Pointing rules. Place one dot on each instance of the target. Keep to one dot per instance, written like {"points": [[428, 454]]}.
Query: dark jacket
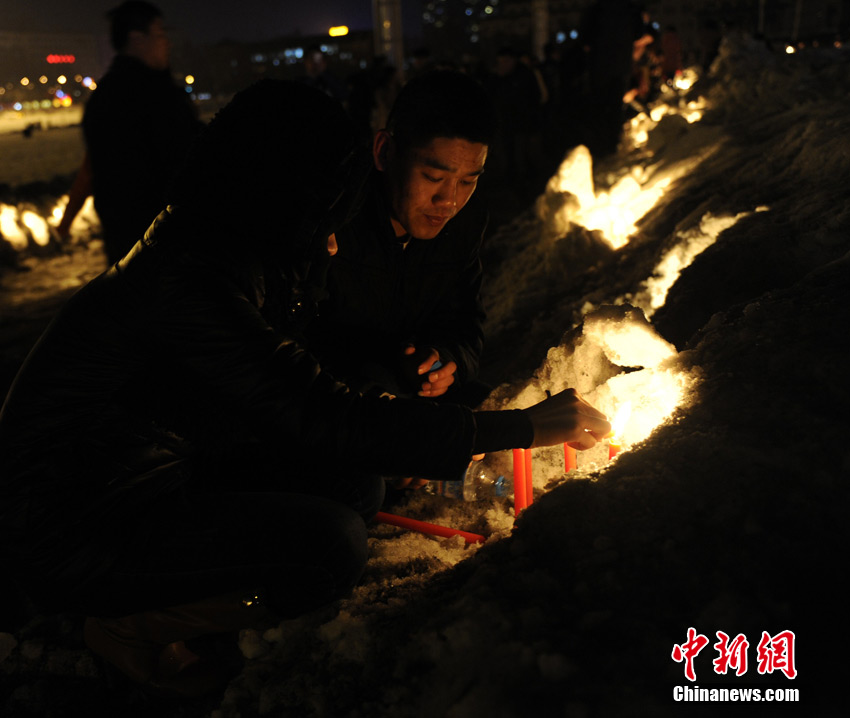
{"points": [[165, 362], [383, 296], [138, 125]]}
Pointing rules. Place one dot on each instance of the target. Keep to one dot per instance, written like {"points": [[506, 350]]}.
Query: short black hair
{"points": [[441, 103], [129, 16], [266, 156]]}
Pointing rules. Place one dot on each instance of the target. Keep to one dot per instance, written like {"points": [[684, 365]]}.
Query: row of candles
{"points": [[523, 494], [523, 475], [523, 486]]}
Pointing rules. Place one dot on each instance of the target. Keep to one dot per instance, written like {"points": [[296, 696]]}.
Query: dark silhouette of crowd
{"points": [[581, 91]]}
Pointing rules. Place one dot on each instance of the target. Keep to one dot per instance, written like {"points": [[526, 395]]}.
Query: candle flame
{"points": [[618, 423]]}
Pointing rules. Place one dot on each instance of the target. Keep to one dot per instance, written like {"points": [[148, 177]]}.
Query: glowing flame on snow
{"points": [[651, 396], [86, 216], [627, 339], [657, 112], [691, 243], [638, 400], [618, 422], [643, 399], [622, 366], [641, 125], [10, 229], [613, 213], [685, 79], [575, 175], [37, 226], [694, 111]]}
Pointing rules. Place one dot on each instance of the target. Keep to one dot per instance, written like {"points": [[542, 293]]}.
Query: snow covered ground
{"points": [[699, 281]]}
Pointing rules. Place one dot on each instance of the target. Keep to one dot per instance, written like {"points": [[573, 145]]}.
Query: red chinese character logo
{"points": [[732, 655], [688, 651], [776, 653]]}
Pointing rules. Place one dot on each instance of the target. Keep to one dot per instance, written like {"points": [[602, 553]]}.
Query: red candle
{"points": [[529, 482], [569, 459], [426, 528], [613, 447], [520, 501]]}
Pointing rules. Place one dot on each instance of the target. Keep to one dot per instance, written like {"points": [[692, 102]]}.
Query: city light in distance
{"points": [[338, 31]]}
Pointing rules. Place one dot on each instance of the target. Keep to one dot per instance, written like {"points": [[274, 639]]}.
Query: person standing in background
{"points": [[609, 31], [138, 125]]}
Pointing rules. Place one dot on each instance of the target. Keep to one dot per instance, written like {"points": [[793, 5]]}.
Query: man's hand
{"points": [[566, 418], [437, 382]]}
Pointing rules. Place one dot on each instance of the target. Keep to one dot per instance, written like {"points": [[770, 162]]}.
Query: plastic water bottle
{"points": [[481, 483], [449, 489]]}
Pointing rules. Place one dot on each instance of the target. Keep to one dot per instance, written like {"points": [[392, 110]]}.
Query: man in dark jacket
{"points": [[609, 31], [171, 451], [404, 289], [138, 125]]}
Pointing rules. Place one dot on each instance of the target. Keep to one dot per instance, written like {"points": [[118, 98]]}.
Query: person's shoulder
{"points": [[119, 80], [371, 222]]}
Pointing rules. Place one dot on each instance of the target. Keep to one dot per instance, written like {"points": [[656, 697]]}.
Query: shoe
{"points": [[150, 649]]}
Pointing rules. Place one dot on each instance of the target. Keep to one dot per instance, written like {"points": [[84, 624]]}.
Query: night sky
{"points": [[208, 20]]}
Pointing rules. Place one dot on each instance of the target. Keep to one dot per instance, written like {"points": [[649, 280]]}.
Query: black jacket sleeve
{"points": [[202, 321]]}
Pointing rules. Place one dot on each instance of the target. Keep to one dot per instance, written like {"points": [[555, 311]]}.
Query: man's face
{"points": [[151, 47], [429, 185]]}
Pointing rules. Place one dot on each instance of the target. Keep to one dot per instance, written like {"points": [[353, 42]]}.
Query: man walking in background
{"points": [[137, 125]]}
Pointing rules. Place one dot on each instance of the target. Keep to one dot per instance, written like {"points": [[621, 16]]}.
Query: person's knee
{"points": [[328, 570], [372, 492], [350, 553]]}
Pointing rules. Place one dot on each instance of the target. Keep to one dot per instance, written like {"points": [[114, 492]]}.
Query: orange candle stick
{"points": [[529, 483], [614, 447], [520, 494], [426, 528], [570, 462]]}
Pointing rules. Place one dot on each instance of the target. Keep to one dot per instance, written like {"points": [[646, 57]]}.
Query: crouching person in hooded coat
{"points": [[175, 463]]}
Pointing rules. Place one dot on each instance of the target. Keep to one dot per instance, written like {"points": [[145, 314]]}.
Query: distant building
{"points": [[34, 67], [37, 66], [223, 68], [455, 28]]}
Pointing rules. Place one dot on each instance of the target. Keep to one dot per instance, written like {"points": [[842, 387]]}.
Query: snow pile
{"points": [[720, 322], [570, 199], [726, 517], [40, 157], [12, 120], [618, 362]]}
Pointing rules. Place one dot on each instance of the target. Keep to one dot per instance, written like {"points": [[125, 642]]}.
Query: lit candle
{"points": [[529, 482], [426, 528], [620, 419], [569, 459], [520, 493]]}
